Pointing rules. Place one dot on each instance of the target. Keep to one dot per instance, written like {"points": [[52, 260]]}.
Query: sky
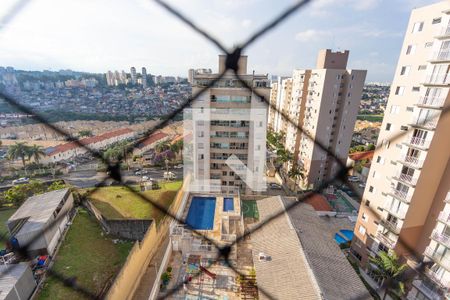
{"points": [[102, 35]]}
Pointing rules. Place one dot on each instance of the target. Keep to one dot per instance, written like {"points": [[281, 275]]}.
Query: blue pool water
{"points": [[201, 213], [347, 233], [339, 239], [228, 204]]}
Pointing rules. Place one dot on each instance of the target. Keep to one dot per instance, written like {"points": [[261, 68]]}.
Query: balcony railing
{"points": [[444, 32], [437, 79], [393, 227], [425, 289], [412, 161], [429, 124], [436, 278], [386, 240], [409, 179], [431, 101], [440, 56], [441, 238], [401, 195], [442, 260], [444, 217]]}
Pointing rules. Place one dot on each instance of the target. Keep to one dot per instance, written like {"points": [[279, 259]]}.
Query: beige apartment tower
{"points": [[323, 102], [406, 202], [228, 119]]}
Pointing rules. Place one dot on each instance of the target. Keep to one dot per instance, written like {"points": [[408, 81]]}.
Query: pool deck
{"points": [[216, 232]]}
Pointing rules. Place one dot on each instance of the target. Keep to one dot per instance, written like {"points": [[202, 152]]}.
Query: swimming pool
{"points": [[339, 239], [348, 234], [340, 204], [201, 213], [228, 204]]}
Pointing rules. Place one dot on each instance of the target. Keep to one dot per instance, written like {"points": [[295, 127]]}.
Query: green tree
{"points": [[35, 152], [162, 146], [16, 195], [177, 147], [370, 147], [296, 175], [18, 150], [390, 270], [84, 133], [57, 185]]}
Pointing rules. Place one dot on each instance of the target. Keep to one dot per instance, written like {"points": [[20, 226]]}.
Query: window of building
{"points": [[224, 173], [416, 88], [417, 27], [395, 109], [364, 217], [388, 126], [404, 128], [411, 49], [200, 146], [429, 44], [362, 230], [367, 203], [409, 108], [405, 70], [371, 189], [200, 134], [422, 67], [399, 90], [436, 21]]}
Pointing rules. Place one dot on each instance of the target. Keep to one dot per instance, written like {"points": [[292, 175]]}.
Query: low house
{"points": [[16, 282], [40, 221], [70, 150], [150, 142], [360, 161]]}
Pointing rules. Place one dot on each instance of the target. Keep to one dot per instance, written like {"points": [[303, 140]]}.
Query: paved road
{"points": [[86, 179]]}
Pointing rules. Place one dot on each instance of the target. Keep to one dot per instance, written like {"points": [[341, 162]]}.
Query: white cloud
{"points": [[311, 35], [325, 8], [246, 23]]}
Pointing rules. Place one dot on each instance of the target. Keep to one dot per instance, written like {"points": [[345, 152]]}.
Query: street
{"points": [[86, 179]]}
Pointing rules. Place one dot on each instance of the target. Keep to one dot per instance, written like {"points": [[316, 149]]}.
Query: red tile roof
{"points": [[362, 155], [319, 203], [153, 138], [89, 140]]}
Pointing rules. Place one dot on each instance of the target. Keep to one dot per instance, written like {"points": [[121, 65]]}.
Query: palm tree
{"points": [[18, 150], [295, 174], [390, 270], [177, 147], [35, 152], [162, 146]]}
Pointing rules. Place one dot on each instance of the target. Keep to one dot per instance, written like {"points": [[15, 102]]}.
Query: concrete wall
{"points": [[128, 279], [129, 229]]}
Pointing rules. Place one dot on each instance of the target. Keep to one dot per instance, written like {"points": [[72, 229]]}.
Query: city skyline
{"points": [[133, 39]]}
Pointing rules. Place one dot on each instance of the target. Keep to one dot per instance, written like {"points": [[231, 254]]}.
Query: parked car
{"points": [[21, 180], [353, 179], [145, 178], [362, 185], [180, 166], [138, 173], [169, 175], [274, 186]]}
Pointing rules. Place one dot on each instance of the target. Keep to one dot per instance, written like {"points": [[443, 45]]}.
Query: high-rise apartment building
{"points": [[133, 75], [144, 77], [323, 102], [228, 119], [406, 202]]}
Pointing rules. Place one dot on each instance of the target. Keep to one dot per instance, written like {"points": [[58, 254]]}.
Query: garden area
{"points": [[118, 202], [88, 257], [250, 209]]}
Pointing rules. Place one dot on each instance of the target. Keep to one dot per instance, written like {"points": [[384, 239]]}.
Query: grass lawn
{"points": [[4, 216], [250, 209], [371, 118], [87, 256], [118, 202]]}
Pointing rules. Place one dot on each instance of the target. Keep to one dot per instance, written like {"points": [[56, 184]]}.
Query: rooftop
{"points": [[10, 275], [38, 209], [287, 274], [89, 140], [334, 274], [362, 155], [319, 203]]}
